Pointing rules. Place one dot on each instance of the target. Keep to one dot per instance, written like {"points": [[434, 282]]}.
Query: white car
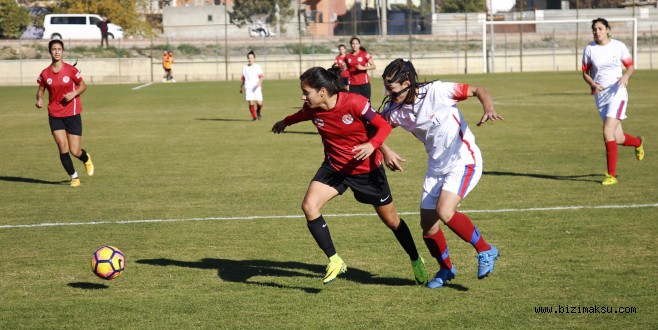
{"points": [[77, 26]]}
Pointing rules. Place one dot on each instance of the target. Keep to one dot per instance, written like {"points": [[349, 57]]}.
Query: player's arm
{"points": [[82, 87], [623, 81], [483, 95], [39, 96], [391, 158], [290, 120], [242, 84], [363, 151], [369, 66]]}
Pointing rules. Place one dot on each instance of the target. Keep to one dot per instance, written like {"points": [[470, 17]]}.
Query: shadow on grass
{"points": [[222, 119], [583, 177], [298, 132], [29, 180], [88, 286], [241, 271]]}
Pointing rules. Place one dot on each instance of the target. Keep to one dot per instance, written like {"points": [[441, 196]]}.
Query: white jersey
{"points": [[435, 120], [604, 62], [251, 74]]}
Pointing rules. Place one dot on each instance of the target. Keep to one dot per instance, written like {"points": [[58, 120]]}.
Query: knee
{"points": [[311, 210], [445, 214]]}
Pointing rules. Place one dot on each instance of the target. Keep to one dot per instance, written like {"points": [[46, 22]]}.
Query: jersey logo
{"points": [[66, 79], [360, 59], [49, 81], [318, 122], [348, 119], [435, 120]]}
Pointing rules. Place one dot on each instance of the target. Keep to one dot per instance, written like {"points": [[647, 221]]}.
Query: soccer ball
{"points": [[107, 262]]}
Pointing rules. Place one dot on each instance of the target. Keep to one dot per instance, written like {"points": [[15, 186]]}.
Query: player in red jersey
{"points": [[358, 64], [351, 161], [339, 63], [65, 85]]}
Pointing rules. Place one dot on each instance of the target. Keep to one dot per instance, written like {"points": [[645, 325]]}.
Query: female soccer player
{"points": [[252, 81], [65, 85], [429, 112], [602, 62], [351, 161], [358, 63], [339, 63]]}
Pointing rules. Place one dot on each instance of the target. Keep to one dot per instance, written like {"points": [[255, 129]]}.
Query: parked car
{"points": [[77, 26]]}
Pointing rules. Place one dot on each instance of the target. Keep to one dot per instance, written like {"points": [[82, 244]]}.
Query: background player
{"points": [[602, 62], [454, 167], [358, 64], [351, 160], [65, 85], [252, 85]]}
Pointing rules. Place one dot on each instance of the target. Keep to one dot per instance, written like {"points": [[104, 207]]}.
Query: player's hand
{"points": [[392, 159], [279, 127], [490, 115], [623, 82], [70, 96], [240, 90], [597, 88], [363, 151]]}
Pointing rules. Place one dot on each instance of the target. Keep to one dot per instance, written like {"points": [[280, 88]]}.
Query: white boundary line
{"points": [[142, 86], [122, 222]]}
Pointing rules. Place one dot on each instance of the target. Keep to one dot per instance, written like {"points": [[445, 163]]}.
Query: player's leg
{"points": [[611, 129], [319, 192], [259, 107], [65, 157], [252, 108], [459, 182], [74, 136]]}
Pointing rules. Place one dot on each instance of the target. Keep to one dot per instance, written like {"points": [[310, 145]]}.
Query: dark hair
{"points": [[602, 21], [361, 48], [251, 52], [55, 41], [401, 70], [341, 45], [318, 77]]}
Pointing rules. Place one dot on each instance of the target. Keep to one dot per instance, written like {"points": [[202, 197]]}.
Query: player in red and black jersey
{"points": [[358, 63], [65, 85], [351, 161]]}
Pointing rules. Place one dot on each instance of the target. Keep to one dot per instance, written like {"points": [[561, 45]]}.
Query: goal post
{"points": [[488, 25]]}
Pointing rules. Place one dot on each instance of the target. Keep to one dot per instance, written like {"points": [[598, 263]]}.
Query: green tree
{"points": [[460, 6], [13, 19], [244, 11]]}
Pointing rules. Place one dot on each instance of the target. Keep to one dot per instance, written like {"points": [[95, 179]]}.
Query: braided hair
{"points": [[401, 70]]}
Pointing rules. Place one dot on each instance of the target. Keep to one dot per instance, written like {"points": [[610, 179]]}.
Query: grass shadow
{"points": [[88, 286], [29, 180], [583, 177], [299, 132], [242, 271]]}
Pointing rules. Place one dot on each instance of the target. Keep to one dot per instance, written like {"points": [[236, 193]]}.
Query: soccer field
{"points": [[205, 204]]}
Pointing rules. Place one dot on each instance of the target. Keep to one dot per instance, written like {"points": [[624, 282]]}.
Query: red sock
{"points": [[611, 155], [631, 141], [464, 228], [439, 249], [253, 111]]}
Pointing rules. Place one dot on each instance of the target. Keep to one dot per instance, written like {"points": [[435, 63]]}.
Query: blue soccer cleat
{"points": [[486, 260], [444, 275]]}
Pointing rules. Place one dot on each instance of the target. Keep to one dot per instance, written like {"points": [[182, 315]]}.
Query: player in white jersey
{"points": [[429, 112], [602, 70], [252, 81]]}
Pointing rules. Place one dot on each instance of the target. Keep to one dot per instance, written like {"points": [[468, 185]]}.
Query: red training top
{"points": [[340, 61], [344, 127], [59, 84], [357, 77]]}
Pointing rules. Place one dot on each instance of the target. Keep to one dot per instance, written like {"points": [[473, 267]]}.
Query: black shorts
{"points": [[72, 124], [361, 89], [368, 188]]}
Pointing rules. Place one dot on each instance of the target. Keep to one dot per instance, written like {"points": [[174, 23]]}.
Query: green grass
{"points": [[189, 151]]}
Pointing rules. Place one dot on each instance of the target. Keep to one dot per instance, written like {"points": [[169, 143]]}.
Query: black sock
{"points": [[320, 232], [67, 163], [406, 240], [83, 156]]}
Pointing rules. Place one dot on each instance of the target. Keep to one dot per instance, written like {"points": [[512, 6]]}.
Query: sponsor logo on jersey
{"points": [[348, 119], [434, 119], [318, 122], [66, 79]]}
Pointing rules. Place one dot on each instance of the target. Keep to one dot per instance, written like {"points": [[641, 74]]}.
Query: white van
{"points": [[77, 26]]}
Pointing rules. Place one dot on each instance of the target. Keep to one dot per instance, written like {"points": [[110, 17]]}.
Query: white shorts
{"points": [[460, 180], [612, 102], [253, 93]]}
